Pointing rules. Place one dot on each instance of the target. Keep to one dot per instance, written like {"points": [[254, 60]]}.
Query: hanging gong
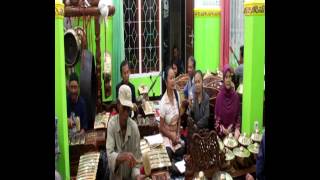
{"points": [[89, 85], [72, 45]]}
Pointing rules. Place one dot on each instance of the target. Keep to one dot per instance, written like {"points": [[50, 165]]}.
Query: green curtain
{"points": [[118, 54]]}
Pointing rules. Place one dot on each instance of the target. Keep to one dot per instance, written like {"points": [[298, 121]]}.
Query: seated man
{"points": [[177, 58], [125, 73], [76, 105], [123, 140], [200, 106], [189, 88]]}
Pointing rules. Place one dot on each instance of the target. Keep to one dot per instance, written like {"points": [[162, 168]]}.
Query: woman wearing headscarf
{"points": [[227, 108]]}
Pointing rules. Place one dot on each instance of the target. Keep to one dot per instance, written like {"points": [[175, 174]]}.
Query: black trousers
{"points": [[174, 157], [177, 155]]}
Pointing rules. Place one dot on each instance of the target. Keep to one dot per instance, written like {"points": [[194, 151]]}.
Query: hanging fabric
{"points": [[225, 33], [236, 30]]}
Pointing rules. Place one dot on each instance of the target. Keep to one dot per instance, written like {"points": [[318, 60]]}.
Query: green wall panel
{"points": [[137, 81], [254, 57], [207, 42]]}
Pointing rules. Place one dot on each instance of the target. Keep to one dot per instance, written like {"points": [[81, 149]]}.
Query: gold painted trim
{"points": [[207, 12], [59, 10], [254, 9]]}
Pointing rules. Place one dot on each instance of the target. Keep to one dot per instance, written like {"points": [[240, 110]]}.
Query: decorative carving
{"points": [[181, 81], [212, 93], [89, 11], [203, 151], [98, 58], [213, 81]]}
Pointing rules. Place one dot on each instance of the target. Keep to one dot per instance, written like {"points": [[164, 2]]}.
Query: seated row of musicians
{"points": [[123, 135], [76, 106], [227, 109], [227, 106], [122, 149], [170, 113], [123, 138]]}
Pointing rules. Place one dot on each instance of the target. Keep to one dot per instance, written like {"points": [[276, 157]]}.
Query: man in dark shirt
{"points": [[175, 68], [76, 104], [125, 73], [177, 58], [189, 87]]}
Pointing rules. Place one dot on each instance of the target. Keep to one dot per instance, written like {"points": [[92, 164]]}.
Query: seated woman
{"points": [[227, 108], [200, 106], [170, 119]]}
